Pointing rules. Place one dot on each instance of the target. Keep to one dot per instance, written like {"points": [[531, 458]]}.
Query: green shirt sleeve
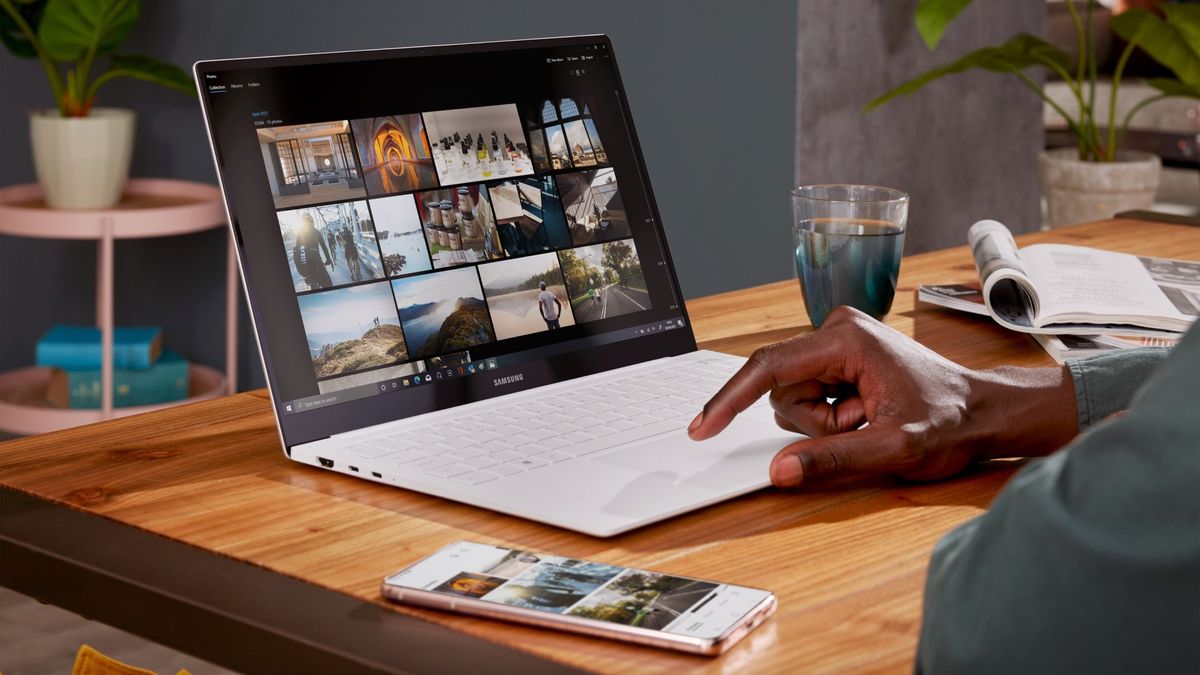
{"points": [[1106, 383], [1089, 560]]}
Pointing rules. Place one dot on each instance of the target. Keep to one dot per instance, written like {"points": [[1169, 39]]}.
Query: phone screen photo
{"points": [[572, 589]]}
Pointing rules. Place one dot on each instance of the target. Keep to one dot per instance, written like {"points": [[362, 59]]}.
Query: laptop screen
{"points": [[426, 227]]}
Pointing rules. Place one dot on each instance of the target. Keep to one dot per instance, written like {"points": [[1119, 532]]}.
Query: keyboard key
{"points": [[393, 442], [476, 477], [403, 457], [553, 443], [538, 434], [621, 437], [431, 461], [530, 449], [526, 463], [505, 455], [501, 444], [467, 453], [504, 469], [479, 462], [577, 437], [367, 450], [552, 456], [448, 471]]}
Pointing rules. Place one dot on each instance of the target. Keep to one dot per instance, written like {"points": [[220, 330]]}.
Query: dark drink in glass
{"points": [[845, 262], [849, 240]]}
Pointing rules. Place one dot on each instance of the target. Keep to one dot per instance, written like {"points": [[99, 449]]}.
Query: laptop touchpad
{"points": [[740, 456]]}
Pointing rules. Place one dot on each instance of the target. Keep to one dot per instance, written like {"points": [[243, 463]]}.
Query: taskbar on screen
{"points": [[432, 372]]}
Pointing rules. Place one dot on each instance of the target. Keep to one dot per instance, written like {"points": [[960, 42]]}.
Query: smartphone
{"points": [[631, 605]]}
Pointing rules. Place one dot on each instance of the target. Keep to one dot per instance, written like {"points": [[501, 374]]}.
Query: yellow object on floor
{"points": [[88, 661]]}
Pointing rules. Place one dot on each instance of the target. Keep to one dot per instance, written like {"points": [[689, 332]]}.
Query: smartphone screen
{"points": [[580, 589]]}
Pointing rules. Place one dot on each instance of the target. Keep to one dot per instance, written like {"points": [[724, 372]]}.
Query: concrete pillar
{"points": [[964, 147]]}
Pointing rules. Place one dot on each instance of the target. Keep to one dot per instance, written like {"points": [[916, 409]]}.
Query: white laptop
{"points": [[460, 284]]}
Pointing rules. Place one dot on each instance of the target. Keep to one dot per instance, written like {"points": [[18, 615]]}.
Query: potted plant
{"points": [[81, 152], [1097, 178]]}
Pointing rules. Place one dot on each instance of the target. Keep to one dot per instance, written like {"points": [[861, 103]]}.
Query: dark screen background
{"points": [[370, 84]]}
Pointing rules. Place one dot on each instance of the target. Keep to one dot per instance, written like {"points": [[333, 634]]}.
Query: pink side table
{"points": [[149, 208]]}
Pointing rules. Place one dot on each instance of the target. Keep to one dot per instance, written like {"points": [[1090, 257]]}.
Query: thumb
{"points": [[873, 449]]}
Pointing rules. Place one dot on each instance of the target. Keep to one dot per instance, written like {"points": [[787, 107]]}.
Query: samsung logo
{"points": [[501, 381]]}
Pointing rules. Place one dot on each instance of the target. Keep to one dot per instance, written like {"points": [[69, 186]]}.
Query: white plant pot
{"points": [[1081, 192], [82, 162]]}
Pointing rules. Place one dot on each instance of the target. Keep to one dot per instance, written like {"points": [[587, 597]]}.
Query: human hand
{"points": [[926, 417]]}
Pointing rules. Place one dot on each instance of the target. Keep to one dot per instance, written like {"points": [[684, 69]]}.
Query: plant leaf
{"points": [[10, 32], [1175, 42], [1172, 87], [1020, 52], [150, 69], [933, 16], [70, 27]]}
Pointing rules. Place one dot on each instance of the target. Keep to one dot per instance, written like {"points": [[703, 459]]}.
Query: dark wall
{"points": [[965, 147], [712, 86]]}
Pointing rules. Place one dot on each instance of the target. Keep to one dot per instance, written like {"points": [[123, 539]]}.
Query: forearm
{"points": [[1020, 412]]}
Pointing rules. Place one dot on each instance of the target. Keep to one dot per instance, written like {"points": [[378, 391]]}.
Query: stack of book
{"points": [[143, 372], [1074, 300]]}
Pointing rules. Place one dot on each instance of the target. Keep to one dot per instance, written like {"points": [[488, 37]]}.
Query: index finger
{"points": [[789, 362]]}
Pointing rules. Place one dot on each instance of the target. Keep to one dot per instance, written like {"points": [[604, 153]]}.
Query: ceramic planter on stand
{"points": [[82, 162], [1081, 192]]}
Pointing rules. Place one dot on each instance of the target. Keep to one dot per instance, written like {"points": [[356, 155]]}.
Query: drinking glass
{"points": [[848, 239]]}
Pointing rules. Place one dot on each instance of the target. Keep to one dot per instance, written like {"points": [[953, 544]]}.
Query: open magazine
{"points": [[969, 298], [1053, 289]]}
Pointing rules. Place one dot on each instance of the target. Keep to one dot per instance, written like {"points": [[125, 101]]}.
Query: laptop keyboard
{"points": [[538, 431]]}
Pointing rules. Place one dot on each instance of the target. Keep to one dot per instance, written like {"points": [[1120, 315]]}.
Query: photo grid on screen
{"points": [[411, 238], [580, 588]]}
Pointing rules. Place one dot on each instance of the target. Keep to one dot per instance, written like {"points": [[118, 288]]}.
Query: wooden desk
{"points": [[847, 564]]}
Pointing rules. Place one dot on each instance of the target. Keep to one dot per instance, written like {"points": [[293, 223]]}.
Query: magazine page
{"points": [[962, 297], [1179, 280], [1008, 292], [1076, 284]]}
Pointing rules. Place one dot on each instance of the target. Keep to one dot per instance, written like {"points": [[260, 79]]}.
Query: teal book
{"points": [[78, 347], [165, 381]]}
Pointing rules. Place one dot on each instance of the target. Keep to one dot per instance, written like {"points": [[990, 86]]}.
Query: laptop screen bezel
{"points": [[297, 429]]}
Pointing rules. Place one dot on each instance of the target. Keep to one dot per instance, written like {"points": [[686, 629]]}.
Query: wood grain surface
{"points": [[847, 561]]}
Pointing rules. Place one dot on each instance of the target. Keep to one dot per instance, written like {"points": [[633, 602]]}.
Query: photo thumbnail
{"points": [[459, 226], [451, 360], [513, 564], [394, 154], [310, 163], [643, 599], [330, 245], [529, 215], [470, 585], [352, 329], [604, 280], [474, 144], [592, 202], [554, 585], [563, 135], [401, 236], [443, 312], [526, 295]]}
